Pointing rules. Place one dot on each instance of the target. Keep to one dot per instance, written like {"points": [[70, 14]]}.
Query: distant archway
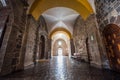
{"points": [[60, 30], [112, 43], [60, 48], [60, 51]]}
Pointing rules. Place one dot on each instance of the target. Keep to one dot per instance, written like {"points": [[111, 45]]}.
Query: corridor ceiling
{"points": [[60, 17], [60, 13], [83, 7]]}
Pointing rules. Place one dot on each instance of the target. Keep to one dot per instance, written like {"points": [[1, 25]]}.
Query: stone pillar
{"points": [[5, 30], [72, 47], [13, 44], [31, 42], [49, 50]]}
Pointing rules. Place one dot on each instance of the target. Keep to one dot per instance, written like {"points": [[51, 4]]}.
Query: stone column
{"points": [[49, 50], [72, 47]]}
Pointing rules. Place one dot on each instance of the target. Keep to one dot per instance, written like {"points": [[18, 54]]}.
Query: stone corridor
{"points": [[62, 68]]}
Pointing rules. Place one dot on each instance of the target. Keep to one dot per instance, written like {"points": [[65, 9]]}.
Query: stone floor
{"points": [[63, 68]]}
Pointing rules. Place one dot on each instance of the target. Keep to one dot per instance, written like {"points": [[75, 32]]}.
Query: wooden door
{"points": [[112, 43]]}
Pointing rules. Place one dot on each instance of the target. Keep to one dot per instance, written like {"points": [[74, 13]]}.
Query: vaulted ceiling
{"points": [[83, 7], [61, 13], [60, 17]]}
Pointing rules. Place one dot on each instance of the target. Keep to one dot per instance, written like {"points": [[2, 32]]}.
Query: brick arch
{"points": [[111, 35]]}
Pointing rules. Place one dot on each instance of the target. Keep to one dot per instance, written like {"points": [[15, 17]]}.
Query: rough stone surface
{"points": [[83, 30], [12, 47], [20, 45], [30, 44], [42, 31], [79, 37], [107, 12], [20, 40]]}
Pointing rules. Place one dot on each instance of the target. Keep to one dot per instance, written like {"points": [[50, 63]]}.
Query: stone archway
{"points": [[61, 45], [112, 43]]}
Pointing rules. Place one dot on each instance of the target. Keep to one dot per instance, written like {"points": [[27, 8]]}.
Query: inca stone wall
{"points": [[108, 12], [31, 39], [93, 41], [79, 37], [12, 52], [21, 41], [84, 29], [42, 31]]}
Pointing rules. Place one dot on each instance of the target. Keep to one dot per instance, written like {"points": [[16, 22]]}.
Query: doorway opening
{"points": [[42, 48], [60, 52], [60, 44]]}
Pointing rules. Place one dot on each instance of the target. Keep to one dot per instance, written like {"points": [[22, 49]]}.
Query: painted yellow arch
{"points": [[81, 6], [60, 30]]}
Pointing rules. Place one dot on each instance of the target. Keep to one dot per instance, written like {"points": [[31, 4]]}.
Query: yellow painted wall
{"points": [[60, 30]]}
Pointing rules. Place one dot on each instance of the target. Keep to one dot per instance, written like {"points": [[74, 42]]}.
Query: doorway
{"points": [[88, 53], [42, 47], [112, 43], [60, 52]]}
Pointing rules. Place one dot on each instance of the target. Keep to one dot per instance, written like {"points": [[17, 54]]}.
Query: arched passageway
{"points": [[112, 44], [21, 43], [60, 41], [60, 48]]}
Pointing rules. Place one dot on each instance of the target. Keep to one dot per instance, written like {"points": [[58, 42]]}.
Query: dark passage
{"points": [[63, 68]]}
